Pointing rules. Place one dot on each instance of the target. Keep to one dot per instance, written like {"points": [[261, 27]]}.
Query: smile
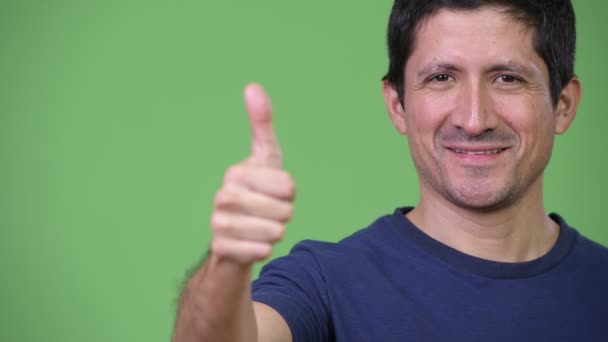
{"points": [[494, 151]]}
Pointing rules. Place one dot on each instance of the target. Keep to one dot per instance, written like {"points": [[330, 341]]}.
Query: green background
{"points": [[118, 119]]}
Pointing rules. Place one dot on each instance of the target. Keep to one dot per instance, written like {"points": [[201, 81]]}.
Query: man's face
{"points": [[478, 110]]}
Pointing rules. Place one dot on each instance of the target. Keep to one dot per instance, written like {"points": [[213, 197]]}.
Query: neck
{"points": [[517, 233]]}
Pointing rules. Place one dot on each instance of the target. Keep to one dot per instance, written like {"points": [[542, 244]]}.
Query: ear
{"points": [[394, 107], [567, 105]]}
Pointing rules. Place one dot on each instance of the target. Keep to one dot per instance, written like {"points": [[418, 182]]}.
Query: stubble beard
{"points": [[480, 192]]}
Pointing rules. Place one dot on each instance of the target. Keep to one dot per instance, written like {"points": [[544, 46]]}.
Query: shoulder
{"points": [[592, 251], [585, 253], [350, 252], [362, 242], [299, 285]]}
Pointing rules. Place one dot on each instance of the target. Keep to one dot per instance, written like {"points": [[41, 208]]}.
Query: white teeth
{"points": [[478, 152]]}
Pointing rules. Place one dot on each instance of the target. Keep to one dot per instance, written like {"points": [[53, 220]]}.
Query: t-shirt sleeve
{"points": [[294, 285]]}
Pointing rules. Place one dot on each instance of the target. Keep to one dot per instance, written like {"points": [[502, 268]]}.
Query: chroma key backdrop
{"points": [[119, 117]]}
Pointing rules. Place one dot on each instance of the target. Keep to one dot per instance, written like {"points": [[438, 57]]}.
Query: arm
{"points": [[249, 216], [216, 306]]}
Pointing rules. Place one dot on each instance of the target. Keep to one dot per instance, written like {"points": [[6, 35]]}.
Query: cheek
{"points": [[426, 114], [516, 114], [531, 121]]}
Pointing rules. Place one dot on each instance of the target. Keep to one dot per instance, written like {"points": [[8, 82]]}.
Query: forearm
{"points": [[249, 216], [216, 304]]}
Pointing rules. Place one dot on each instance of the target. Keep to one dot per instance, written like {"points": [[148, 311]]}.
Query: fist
{"points": [[256, 199]]}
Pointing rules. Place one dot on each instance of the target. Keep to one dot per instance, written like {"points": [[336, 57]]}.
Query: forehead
{"points": [[475, 37]]}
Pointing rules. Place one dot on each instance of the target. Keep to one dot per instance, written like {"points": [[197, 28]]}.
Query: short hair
{"points": [[554, 36]]}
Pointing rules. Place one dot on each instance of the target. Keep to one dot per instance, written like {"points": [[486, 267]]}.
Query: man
{"points": [[480, 88]]}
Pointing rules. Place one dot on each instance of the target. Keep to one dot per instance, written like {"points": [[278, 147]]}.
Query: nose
{"points": [[474, 114]]}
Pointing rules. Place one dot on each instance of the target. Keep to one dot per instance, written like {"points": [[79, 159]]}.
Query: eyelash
{"points": [[512, 79], [434, 78]]}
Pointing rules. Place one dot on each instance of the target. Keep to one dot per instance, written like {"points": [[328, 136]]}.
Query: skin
{"points": [[457, 99], [249, 216], [475, 84]]}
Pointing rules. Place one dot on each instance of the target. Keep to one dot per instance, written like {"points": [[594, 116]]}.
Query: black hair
{"points": [[553, 22]]}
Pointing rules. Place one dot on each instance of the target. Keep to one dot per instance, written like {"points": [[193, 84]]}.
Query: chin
{"points": [[481, 198]]}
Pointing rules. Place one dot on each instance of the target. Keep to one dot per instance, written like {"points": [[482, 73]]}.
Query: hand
{"points": [[256, 199]]}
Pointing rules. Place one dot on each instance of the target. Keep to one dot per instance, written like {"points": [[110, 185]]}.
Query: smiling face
{"points": [[478, 110]]}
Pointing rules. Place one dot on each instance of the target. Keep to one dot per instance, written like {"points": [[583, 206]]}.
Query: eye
{"points": [[441, 78], [507, 78]]}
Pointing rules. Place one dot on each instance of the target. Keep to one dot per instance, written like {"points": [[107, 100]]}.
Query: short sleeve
{"points": [[294, 285]]}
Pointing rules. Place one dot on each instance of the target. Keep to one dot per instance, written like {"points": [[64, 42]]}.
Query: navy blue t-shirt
{"points": [[392, 282]]}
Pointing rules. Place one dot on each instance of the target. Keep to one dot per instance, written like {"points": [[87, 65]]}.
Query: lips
{"points": [[477, 152]]}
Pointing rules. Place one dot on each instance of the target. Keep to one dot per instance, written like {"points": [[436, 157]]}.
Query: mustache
{"points": [[458, 135]]}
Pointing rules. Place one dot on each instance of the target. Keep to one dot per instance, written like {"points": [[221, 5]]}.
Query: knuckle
{"points": [[233, 173], [288, 185], [218, 248], [227, 197], [290, 211], [222, 198], [218, 222], [278, 233], [265, 251], [286, 213], [225, 249], [290, 188]]}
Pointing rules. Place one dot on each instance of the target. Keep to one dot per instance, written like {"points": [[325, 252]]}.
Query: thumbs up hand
{"points": [[256, 198]]}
